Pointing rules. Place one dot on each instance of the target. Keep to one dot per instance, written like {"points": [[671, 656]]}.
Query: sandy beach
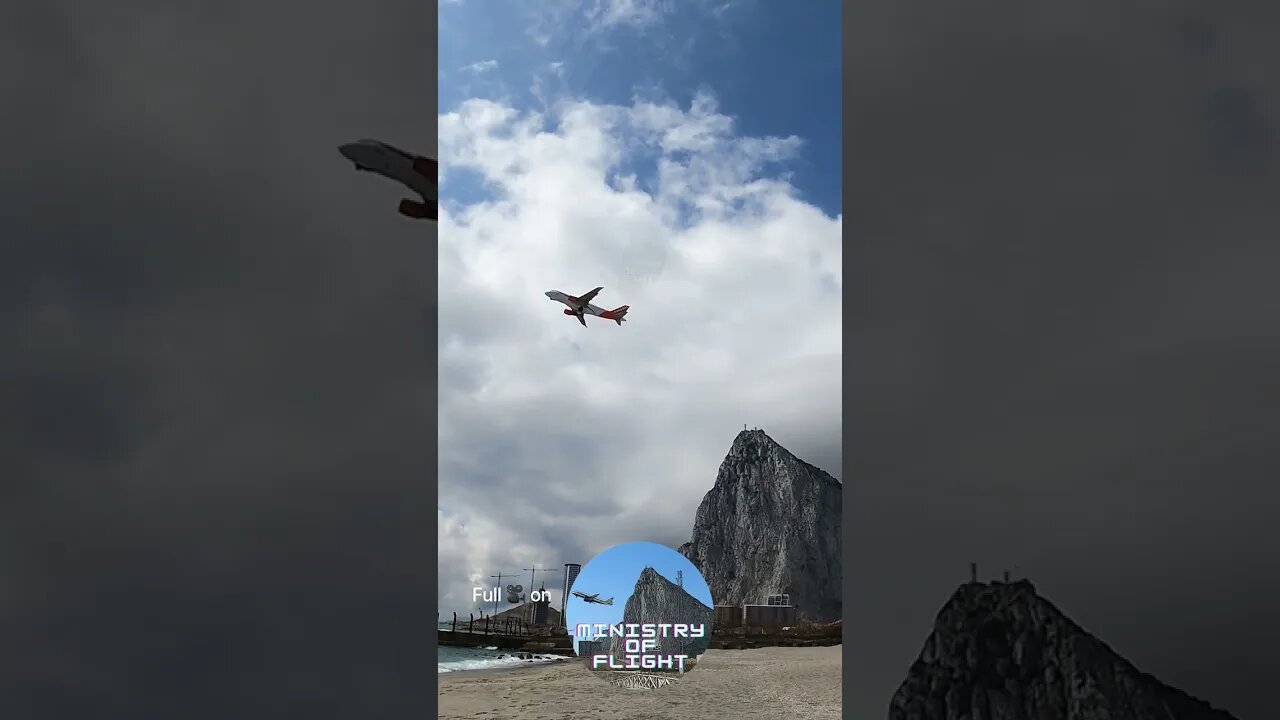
{"points": [[766, 683]]}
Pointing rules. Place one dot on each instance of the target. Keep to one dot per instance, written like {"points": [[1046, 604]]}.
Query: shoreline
{"points": [[766, 683], [522, 667], [490, 658]]}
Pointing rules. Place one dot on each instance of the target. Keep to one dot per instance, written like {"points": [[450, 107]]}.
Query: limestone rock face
{"points": [[657, 600], [1001, 652], [770, 524]]}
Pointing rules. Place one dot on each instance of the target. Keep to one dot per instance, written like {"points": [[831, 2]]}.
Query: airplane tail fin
{"points": [[618, 315]]}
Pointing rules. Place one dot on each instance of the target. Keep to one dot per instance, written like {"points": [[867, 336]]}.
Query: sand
{"points": [[764, 683]]}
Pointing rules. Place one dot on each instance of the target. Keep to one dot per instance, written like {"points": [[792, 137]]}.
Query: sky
{"points": [[613, 574], [217, 362], [1062, 299], [628, 145]]}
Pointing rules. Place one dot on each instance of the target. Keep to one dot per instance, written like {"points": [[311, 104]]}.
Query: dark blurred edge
{"points": [[849, 474]]}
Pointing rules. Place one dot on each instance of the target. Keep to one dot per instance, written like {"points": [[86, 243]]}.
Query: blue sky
{"points": [[773, 66], [613, 574]]}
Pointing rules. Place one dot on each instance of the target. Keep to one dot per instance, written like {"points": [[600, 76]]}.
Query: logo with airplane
{"points": [[594, 598]]}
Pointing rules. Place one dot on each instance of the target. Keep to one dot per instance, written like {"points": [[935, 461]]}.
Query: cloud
{"points": [[633, 13], [721, 9], [558, 441], [1065, 244], [481, 66], [217, 362], [556, 18], [548, 83]]}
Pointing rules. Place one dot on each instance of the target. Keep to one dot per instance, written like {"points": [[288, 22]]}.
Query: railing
{"points": [[487, 626]]}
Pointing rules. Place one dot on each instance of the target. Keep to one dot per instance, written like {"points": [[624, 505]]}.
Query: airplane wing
{"points": [[585, 300]]}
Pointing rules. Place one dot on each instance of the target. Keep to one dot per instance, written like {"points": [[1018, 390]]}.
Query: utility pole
{"points": [[499, 593], [533, 571], [680, 578]]}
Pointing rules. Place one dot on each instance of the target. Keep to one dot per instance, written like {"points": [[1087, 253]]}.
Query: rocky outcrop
{"points": [[658, 600], [1001, 652], [770, 524]]}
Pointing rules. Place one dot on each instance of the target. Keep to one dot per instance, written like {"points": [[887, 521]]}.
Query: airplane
{"points": [[595, 598], [579, 307], [420, 174]]}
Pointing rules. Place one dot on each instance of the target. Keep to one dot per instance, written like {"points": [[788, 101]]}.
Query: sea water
{"points": [[456, 659]]}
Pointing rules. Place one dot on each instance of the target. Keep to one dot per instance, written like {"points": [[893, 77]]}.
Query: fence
{"points": [[487, 625]]}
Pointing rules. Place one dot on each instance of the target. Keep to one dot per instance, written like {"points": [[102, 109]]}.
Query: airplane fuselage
{"points": [[391, 162], [564, 298]]}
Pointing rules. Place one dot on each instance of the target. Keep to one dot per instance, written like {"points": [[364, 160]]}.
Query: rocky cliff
{"points": [[770, 524], [1001, 652], [658, 600]]}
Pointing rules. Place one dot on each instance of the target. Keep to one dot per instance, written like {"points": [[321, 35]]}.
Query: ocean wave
{"points": [[482, 660]]}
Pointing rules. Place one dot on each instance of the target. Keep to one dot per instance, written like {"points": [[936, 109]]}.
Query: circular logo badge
{"points": [[641, 613]]}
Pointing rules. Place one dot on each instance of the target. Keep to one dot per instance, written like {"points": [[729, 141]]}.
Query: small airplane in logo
{"points": [[594, 598], [580, 307]]}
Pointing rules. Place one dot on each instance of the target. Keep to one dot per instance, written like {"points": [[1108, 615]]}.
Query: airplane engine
{"points": [[569, 313], [417, 210]]}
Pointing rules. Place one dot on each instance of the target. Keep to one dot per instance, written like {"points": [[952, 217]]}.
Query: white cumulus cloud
{"points": [[558, 441]]}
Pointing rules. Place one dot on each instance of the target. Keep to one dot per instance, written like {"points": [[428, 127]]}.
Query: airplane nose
{"points": [[348, 151]]}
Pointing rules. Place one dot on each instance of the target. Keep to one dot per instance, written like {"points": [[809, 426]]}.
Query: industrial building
{"points": [[776, 612], [542, 614]]}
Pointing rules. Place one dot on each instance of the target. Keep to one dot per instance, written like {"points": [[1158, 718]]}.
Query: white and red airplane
{"points": [[580, 307], [420, 174]]}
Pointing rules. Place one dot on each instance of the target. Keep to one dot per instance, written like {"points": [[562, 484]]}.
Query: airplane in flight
{"points": [[580, 307], [420, 174], [593, 598]]}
